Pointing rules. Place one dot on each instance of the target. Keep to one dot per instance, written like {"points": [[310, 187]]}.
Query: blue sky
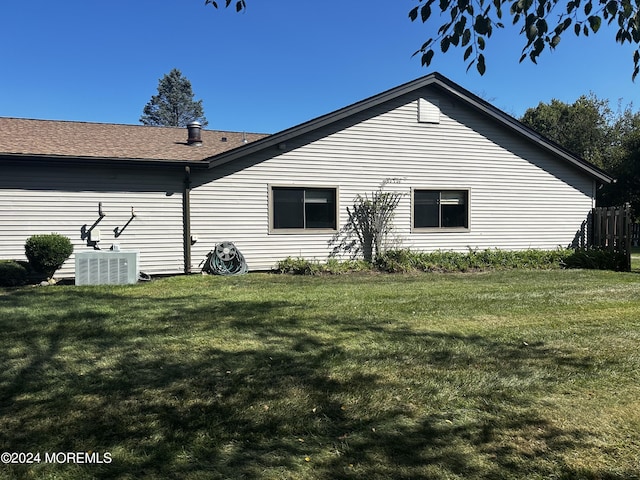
{"points": [[280, 63]]}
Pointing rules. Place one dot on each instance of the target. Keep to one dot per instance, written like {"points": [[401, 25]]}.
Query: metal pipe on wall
{"points": [[186, 219]]}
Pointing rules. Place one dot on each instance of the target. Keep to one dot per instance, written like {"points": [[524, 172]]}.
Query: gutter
{"points": [[48, 160], [186, 219]]}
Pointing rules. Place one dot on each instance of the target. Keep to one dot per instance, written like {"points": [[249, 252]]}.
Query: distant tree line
{"points": [[593, 130]]}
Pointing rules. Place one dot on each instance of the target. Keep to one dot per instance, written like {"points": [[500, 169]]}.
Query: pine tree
{"points": [[174, 105]]}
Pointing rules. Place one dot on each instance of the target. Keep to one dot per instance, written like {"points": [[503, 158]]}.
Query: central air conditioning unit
{"points": [[107, 267]]}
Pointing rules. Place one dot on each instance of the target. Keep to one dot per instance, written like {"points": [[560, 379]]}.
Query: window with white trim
{"points": [[303, 208], [440, 208]]}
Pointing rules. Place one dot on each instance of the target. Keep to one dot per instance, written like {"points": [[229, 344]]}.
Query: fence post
{"points": [[627, 235]]}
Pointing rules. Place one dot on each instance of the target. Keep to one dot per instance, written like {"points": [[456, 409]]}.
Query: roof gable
{"points": [[434, 80]]}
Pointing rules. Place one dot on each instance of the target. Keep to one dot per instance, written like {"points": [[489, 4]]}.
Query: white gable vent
{"points": [[428, 111], [107, 267]]}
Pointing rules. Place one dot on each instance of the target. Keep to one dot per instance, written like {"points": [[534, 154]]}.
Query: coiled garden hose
{"points": [[225, 259]]}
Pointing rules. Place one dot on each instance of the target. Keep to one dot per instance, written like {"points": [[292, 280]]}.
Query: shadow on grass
{"points": [[184, 388]]}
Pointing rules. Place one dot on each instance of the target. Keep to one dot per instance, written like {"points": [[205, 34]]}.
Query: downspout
{"points": [[186, 219]]}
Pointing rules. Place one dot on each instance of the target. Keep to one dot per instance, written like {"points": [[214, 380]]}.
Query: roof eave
{"points": [[74, 160]]}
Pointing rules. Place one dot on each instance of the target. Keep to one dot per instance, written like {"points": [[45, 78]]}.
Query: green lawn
{"points": [[635, 259], [518, 374]]}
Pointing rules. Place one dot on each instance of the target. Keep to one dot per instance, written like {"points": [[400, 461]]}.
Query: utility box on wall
{"points": [[107, 267]]}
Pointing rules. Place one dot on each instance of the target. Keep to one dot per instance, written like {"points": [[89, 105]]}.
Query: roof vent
{"points": [[195, 134]]}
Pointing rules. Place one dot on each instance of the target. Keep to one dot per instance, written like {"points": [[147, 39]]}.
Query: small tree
{"points": [[369, 225], [174, 105]]}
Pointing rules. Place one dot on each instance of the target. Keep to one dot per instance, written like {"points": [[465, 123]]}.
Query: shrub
{"points": [[300, 266], [337, 267], [47, 253], [490, 259], [398, 261], [295, 266], [12, 274], [404, 261], [596, 259]]}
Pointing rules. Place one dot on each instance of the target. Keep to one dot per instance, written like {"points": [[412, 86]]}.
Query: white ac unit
{"points": [[107, 267]]}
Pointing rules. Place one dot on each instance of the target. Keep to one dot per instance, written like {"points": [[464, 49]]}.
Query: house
{"points": [[470, 176]]}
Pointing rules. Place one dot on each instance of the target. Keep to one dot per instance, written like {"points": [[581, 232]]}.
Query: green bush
{"points": [[394, 261], [295, 266], [12, 274], [300, 266], [397, 261], [404, 261], [596, 259], [47, 253]]}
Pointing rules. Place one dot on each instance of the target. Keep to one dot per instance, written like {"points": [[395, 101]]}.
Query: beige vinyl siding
{"points": [[520, 195], [64, 200]]}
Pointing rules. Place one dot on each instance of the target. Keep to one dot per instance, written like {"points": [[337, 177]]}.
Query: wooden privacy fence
{"points": [[635, 234], [611, 229]]}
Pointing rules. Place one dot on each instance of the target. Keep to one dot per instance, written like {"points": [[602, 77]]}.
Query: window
{"points": [[299, 208], [440, 209]]}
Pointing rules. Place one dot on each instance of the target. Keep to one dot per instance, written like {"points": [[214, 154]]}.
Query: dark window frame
{"points": [[439, 220], [308, 209]]}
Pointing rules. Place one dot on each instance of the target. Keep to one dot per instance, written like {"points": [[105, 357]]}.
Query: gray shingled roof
{"points": [[52, 138]]}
